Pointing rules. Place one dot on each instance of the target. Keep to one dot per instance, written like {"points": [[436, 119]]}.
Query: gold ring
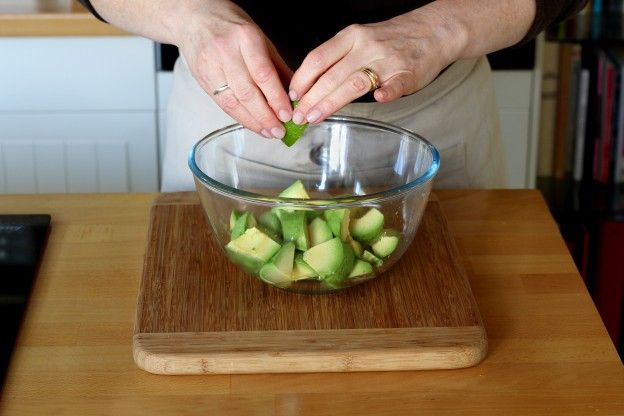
{"points": [[373, 77]]}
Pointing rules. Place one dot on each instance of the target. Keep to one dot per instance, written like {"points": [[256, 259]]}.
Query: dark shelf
{"points": [[569, 199], [607, 28]]}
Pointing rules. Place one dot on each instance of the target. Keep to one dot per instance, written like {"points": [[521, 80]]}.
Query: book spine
{"points": [[605, 163], [579, 150], [563, 106], [618, 160]]}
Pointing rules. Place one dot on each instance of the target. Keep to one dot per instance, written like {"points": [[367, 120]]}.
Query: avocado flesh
{"points": [[319, 232], [332, 260], [338, 221], [252, 249], [279, 268], [360, 268], [368, 227], [386, 243], [243, 222], [295, 228]]}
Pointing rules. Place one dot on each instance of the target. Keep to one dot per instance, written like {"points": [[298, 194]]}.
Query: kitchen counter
{"points": [[549, 352], [50, 18]]}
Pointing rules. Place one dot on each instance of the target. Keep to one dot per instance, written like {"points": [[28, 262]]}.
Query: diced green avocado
{"points": [[295, 190], [357, 247], [368, 227], [386, 243], [319, 232], [336, 279], [252, 249], [279, 268], [270, 220], [332, 259], [301, 269], [243, 222], [371, 258], [311, 215], [360, 268], [338, 221], [295, 228], [293, 131], [233, 217]]}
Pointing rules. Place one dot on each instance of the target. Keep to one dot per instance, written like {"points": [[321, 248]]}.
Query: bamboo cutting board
{"points": [[197, 313]]}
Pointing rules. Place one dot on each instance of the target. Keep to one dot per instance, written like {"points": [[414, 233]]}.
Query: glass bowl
{"points": [[367, 182]]}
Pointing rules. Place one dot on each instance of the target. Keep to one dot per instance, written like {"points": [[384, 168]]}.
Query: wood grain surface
{"points": [[548, 351], [199, 313], [50, 18]]}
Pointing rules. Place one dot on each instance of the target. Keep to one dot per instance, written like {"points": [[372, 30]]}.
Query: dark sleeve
{"points": [[550, 12], [87, 4]]}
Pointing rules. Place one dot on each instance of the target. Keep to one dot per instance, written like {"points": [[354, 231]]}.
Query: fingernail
{"points": [[297, 118], [292, 94], [313, 115], [278, 132], [266, 133], [284, 115]]}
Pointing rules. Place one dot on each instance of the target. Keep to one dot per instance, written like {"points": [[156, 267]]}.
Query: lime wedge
{"points": [[293, 131]]}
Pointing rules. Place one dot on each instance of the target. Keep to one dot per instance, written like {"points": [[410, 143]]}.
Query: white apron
{"points": [[457, 112]]}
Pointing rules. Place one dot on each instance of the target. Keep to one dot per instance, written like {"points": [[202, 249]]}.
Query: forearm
{"points": [[476, 27]]}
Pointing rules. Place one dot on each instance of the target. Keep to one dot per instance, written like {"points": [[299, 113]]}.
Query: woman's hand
{"points": [[223, 46], [406, 52]]}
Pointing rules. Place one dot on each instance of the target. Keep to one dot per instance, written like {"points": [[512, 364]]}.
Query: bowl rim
{"points": [[375, 197]]}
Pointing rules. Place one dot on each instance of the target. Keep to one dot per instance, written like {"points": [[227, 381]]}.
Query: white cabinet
{"points": [[78, 115], [518, 94]]}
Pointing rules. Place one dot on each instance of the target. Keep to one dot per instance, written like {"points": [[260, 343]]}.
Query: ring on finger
{"points": [[220, 89], [373, 77]]}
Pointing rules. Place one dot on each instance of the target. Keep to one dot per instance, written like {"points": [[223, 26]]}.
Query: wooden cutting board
{"points": [[197, 313]]}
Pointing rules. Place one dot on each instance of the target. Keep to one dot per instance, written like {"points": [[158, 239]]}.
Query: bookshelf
{"points": [[585, 191]]}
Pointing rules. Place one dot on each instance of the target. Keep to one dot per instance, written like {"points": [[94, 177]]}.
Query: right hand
{"points": [[222, 45]]}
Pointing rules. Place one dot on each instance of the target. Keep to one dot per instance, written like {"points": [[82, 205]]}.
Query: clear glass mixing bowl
{"points": [[371, 172]]}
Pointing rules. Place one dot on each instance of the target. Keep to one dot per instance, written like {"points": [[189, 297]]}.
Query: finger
{"points": [[395, 87], [329, 82], [264, 74], [356, 85], [210, 78], [317, 62], [250, 97]]}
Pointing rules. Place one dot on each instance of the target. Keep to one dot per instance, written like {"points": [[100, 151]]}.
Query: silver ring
{"points": [[220, 89]]}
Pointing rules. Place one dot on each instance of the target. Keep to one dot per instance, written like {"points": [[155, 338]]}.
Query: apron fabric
{"points": [[457, 113]]}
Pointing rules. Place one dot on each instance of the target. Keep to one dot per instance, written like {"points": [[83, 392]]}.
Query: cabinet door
{"points": [[514, 93], [77, 73], [78, 152]]}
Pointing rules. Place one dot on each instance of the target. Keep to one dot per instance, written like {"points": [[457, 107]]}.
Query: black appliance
{"points": [[22, 241]]}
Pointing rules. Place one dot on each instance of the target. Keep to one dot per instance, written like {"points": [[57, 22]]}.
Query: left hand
{"points": [[406, 52]]}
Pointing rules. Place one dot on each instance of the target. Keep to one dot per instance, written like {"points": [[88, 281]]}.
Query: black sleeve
{"points": [[550, 12], [87, 4]]}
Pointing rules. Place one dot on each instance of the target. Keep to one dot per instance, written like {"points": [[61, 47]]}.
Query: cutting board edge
{"points": [[304, 351]]}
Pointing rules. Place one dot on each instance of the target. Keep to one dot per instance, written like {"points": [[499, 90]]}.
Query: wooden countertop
{"points": [[549, 351], [50, 18]]}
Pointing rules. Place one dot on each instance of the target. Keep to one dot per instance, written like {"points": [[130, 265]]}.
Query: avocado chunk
{"points": [[233, 217], [360, 268], [319, 232], [371, 258], [336, 280], [270, 220], [295, 190], [386, 243], [357, 247], [295, 228], [243, 222], [252, 249], [368, 227], [301, 269], [338, 221], [279, 269], [293, 131], [332, 260]]}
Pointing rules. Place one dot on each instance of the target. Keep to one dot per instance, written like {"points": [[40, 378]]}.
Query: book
{"points": [[579, 140], [573, 110], [548, 109], [606, 138], [617, 55], [560, 152]]}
